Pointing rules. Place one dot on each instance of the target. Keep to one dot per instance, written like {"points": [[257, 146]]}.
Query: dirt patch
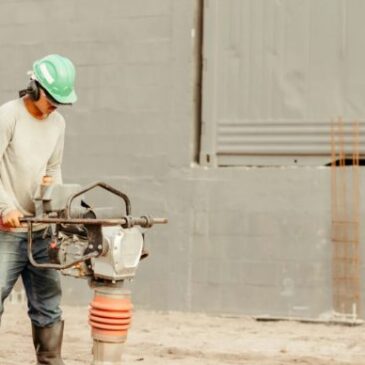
{"points": [[194, 339]]}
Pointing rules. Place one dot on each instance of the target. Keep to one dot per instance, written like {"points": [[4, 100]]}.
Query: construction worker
{"points": [[31, 147]]}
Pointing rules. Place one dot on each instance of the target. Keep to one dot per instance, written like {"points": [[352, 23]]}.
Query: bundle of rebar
{"points": [[345, 179]]}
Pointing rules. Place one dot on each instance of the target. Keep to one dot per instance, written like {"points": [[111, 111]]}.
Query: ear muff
{"points": [[33, 90]]}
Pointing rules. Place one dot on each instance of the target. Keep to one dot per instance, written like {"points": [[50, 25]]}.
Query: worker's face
{"points": [[44, 104]]}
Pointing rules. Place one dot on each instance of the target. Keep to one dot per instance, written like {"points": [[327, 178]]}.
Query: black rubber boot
{"points": [[47, 343]]}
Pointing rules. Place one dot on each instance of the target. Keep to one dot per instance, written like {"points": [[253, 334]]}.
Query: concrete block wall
{"points": [[239, 240], [266, 247]]}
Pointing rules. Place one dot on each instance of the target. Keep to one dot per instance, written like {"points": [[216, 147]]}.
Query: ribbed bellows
{"points": [[110, 316]]}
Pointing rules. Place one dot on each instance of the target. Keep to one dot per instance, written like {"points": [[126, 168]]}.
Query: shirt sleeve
{"points": [[7, 124], [55, 161]]}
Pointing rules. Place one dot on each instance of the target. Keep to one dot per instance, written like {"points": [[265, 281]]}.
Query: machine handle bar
{"points": [[126, 222], [103, 186]]}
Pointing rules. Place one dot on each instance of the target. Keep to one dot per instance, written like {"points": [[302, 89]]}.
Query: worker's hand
{"points": [[11, 219]]}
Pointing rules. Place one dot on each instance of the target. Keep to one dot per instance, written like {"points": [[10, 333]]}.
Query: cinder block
{"points": [[137, 8], [119, 9], [147, 75], [155, 51], [223, 221], [146, 29], [206, 247], [87, 77], [147, 98], [233, 273], [21, 34], [200, 221], [26, 12], [313, 274], [76, 31], [144, 296], [111, 75], [264, 223], [249, 248], [206, 297], [264, 273], [207, 271]]}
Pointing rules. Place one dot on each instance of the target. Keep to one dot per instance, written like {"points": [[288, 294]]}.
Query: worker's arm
{"points": [[8, 213], [53, 171], [7, 126]]}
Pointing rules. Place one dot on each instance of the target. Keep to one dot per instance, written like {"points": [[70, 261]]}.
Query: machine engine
{"points": [[121, 253]]}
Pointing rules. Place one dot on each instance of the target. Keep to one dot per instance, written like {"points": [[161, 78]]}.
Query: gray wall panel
{"points": [[279, 67]]}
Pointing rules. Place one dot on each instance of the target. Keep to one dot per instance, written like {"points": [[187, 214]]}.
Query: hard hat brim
{"points": [[69, 99]]}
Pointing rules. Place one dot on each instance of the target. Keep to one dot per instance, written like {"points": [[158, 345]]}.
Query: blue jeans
{"points": [[42, 286]]}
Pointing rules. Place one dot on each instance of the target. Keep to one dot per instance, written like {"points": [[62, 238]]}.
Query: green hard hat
{"points": [[56, 74]]}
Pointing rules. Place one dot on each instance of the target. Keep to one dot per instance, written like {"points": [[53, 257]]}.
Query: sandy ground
{"points": [[195, 339]]}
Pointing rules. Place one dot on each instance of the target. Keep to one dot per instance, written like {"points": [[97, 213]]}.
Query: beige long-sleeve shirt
{"points": [[29, 149]]}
